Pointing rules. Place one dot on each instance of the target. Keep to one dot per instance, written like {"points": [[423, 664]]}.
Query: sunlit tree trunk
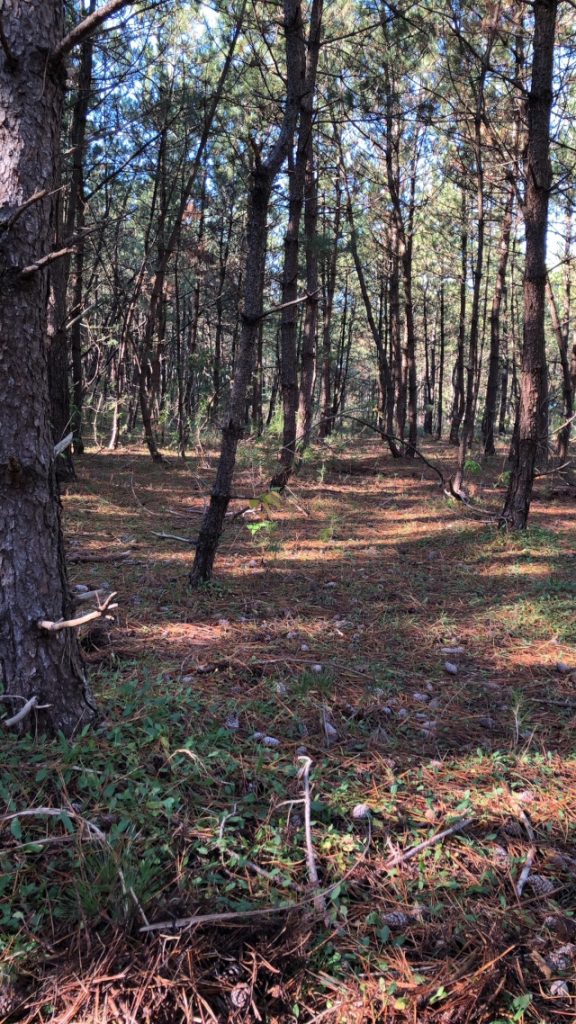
{"points": [[538, 180]]}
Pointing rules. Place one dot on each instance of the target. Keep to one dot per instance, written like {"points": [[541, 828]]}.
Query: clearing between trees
{"points": [[424, 663]]}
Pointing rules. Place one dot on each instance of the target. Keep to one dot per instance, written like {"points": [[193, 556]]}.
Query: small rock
{"points": [[304, 647], [422, 698], [266, 741], [281, 689], [500, 856], [232, 723], [301, 751], [330, 732], [561, 666], [559, 988], [453, 651], [525, 796], [429, 728], [317, 668], [360, 811], [451, 667]]}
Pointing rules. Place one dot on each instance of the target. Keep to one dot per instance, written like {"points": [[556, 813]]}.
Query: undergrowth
{"points": [[324, 640]]}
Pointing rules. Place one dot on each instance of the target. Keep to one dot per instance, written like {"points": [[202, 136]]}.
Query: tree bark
{"points": [[495, 321], [34, 586], [263, 177], [538, 181]]}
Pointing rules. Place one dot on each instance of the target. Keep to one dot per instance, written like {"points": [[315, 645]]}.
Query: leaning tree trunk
{"points": [[33, 583], [263, 178], [538, 181]]}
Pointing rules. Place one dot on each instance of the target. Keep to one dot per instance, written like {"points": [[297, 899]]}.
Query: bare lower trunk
{"points": [[263, 178], [538, 180], [495, 320], [33, 583]]}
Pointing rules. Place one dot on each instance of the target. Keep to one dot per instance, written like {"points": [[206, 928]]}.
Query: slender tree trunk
{"points": [[538, 181], [301, 192], [263, 178], [33, 581], [495, 320], [441, 362], [308, 353], [328, 289], [458, 371]]}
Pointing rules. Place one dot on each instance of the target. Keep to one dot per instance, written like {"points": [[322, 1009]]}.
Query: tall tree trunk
{"points": [[538, 181], [34, 587], [300, 184], [263, 177], [440, 411], [458, 371], [328, 289], [495, 320], [308, 353]]}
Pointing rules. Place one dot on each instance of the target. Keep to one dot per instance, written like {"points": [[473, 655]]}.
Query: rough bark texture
{"points": [[538, 181], [33, 584]]}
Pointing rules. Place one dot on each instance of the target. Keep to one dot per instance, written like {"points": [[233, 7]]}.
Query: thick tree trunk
{"points": [[538, 181], [34, 587]]}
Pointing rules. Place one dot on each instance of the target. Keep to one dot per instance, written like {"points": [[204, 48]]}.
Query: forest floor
{"points": [[325, 629]]}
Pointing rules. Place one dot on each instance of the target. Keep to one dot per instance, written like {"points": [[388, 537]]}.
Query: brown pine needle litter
{"points": [[421, 870]]}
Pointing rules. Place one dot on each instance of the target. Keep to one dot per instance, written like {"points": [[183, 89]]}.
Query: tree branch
{"points": [[55, 627], [44, 261], [86, 27]]}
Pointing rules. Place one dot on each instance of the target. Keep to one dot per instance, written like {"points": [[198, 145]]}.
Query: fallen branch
{"points": [[397, 440], [55, 627], [556, 469], [525, 873], [304, 774], [20, 715], [94, 832], [174, 536], [413, 851], [63, 444], [88, 556]]}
